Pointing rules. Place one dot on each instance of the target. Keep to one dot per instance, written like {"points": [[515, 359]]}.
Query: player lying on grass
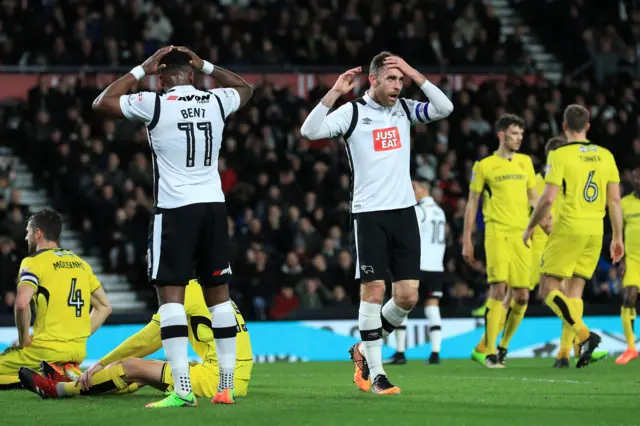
{"points": [[123, 371], [630, 267], [70, 303]]}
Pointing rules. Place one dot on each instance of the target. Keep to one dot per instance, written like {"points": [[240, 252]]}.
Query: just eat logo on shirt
{"points": [[386, 139]]}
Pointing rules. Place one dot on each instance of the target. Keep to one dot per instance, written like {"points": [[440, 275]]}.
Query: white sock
{"points": [[224, 326], [370, 325], [401, 337], [392, 316], [175, 340], [433, 316]]}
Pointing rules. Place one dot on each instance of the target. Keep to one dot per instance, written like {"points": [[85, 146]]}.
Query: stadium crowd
{"points": [[259, 32], [287, 197]]}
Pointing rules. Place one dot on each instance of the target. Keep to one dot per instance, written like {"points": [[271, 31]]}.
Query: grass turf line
{"points": [[528, 392]]}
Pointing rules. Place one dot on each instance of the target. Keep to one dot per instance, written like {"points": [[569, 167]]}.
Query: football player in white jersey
{"points": [[432, 223], [189, 224], [386, 237]]}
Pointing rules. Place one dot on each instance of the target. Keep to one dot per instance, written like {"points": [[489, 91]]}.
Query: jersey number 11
{"points": [[205, 127]]}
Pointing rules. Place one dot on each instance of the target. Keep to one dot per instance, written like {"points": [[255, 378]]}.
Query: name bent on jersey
{"points": [[184, 127]]}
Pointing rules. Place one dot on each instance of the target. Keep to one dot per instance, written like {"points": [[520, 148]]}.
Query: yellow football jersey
{"points": [[582, 170], [538, 234], [504, 184], [631, 214], [64, 283]]}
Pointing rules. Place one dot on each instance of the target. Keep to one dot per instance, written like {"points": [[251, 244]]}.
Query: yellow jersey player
{"points": [[122, 371], [507, 181], [630, 267], [588, 177], [64, 290], [541, 233]]}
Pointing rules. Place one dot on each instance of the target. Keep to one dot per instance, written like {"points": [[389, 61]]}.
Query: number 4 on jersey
{"points": [[75, 298]]}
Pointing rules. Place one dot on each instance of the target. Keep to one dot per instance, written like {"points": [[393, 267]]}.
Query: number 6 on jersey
{"points": [[591, 189]]}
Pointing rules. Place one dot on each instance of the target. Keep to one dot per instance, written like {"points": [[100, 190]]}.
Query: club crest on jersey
{"points": [[199, 99], [386, 139]]}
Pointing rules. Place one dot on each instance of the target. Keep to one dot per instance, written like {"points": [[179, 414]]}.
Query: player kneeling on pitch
{"points": [[122, 371]]}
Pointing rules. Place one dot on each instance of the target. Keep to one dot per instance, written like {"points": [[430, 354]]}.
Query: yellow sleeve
{"points": [[531, 178], [143, 343], [555, 168], [29, 273], [614, 174], [477, 178], [94, 283]]}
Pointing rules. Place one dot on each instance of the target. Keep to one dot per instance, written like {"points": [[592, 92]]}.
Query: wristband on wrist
{"points": [[138, 72], [208, 67]]}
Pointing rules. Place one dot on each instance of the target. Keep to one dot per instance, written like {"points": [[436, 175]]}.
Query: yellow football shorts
{"points": [[508, 259], [205, 379], [632, 275], [53, 352], [537, 248], [566, 256]]}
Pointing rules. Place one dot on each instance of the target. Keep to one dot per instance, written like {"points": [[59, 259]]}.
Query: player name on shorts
{"points": [[67, 265]]}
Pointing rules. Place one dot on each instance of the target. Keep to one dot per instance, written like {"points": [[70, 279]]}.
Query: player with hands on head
{"points": [[189, 222], [376, 130]]}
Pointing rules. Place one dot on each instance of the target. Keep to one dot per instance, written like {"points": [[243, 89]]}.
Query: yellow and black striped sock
{"points": [[513, 319], [493, 318], [628, 316], [104, 381], [561, 306], [482, 346]]}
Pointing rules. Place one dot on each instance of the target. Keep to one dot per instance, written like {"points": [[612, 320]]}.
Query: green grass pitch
{"points": [[528, 392]]}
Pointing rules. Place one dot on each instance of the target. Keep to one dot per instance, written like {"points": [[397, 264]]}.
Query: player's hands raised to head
{"points": [[345, 82], [468, 253], [616, 250], [196, 61], [85, 380], [150, 66], [398, 62]]}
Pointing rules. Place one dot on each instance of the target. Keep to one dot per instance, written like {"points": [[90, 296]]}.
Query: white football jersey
{"points": [[432, 223], [184, 127], [378, 144]]}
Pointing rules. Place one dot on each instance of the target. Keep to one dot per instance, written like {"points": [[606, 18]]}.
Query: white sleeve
{"points": [[420, 213], [139, 106], [438, 107], [230, 99], [319, 125]]}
